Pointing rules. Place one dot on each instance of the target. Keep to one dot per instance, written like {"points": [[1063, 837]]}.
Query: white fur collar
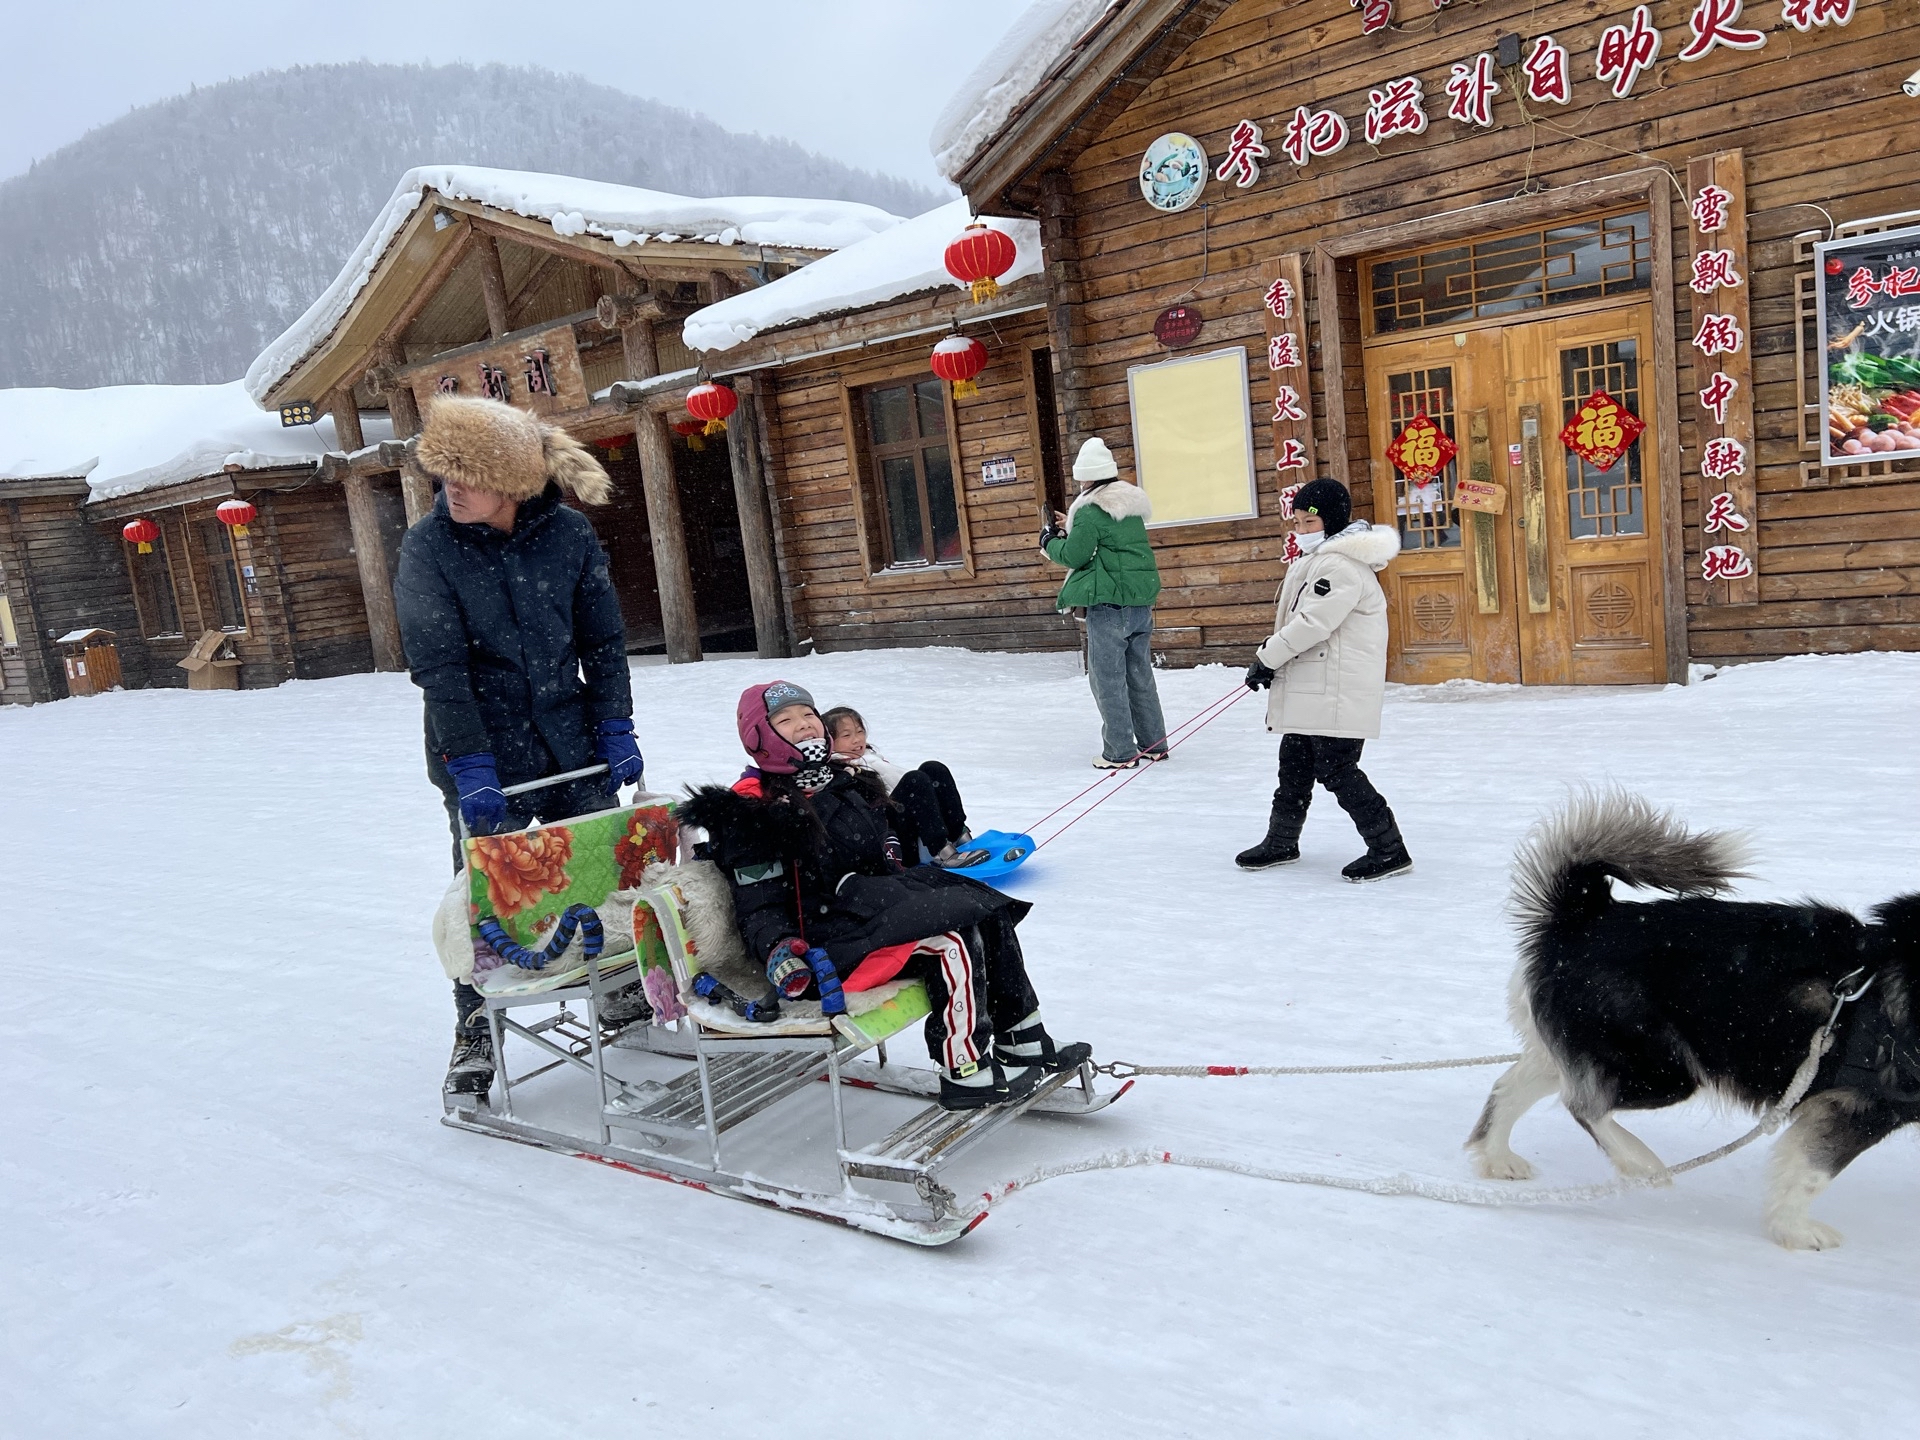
{"points": [[1118, 498], [1372, 545]]}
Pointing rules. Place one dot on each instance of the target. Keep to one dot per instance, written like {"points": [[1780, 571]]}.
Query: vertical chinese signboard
{"points": [[1869, 312], [1282, 307], [1723, 372]]}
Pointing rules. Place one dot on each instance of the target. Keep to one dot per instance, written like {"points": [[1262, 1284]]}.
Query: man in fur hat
{"points": [[513, 633]]}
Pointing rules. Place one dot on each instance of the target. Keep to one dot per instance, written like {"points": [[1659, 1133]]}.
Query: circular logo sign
{"points": [[1172, 172]]}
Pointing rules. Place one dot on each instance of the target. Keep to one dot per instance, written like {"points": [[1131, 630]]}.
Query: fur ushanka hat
{"points": [[504, 451]]}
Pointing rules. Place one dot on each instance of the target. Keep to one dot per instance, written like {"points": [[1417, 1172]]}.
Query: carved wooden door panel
{"points": [[1585, 540]]}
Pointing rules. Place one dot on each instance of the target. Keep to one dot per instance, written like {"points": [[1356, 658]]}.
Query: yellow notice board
{"points": [[1193, 438]]}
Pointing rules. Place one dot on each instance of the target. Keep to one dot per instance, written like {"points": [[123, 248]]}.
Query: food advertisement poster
{"points": [[1869, 314]]}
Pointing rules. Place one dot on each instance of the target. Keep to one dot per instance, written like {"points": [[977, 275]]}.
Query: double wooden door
{"points": [[1564, 585]]}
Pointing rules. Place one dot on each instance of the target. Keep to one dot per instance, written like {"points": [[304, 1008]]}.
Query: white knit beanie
{"points": [[1094, 462]]}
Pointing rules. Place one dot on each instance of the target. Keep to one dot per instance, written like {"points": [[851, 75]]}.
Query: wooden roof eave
{"points": [[698, 258], [927, 312], [1100, 80], [43, 486], [218, 485]]}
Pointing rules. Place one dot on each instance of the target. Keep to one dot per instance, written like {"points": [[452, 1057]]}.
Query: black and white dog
{"points": [[1634, 1006]]}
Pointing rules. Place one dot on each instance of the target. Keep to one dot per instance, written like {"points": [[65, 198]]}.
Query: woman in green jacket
{"points": [[1102, 539]]}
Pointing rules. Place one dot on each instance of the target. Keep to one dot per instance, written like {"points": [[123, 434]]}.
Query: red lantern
{"points": [[713, 404], [957, 359], [236, 515], [690, 431], [142, 532], [979, 256]]}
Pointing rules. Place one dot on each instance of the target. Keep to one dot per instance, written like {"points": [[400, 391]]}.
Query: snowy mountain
{"points": [[172, 244]]}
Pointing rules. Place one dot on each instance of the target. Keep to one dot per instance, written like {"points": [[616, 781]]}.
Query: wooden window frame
{"points": [[233, 563], [871, 528], [147, 632], [1036, 440]]}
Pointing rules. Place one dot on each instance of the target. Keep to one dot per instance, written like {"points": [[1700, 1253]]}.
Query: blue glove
{"points": [[832, 1001], [613, 741], [482, 805], [787, 968]]}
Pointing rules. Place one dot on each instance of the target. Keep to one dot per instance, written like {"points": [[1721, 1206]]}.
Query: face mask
{"points": [[1309, 543], [815, 772]]}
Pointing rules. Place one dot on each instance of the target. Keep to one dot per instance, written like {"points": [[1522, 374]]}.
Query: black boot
{"points": [[989, 1084], [1386, 853], [470, 1071], [1272, 851], [1029, 1045], [623, 1007]]}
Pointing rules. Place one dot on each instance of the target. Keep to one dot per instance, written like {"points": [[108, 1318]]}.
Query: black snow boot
{"points": [[1268, 853], [989, 1084], [1029, 1044], [470, 1071], [623, 1007], [1386, 855]]}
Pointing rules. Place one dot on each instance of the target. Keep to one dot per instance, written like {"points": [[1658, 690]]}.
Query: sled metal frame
{"points": [[732, 1079]]}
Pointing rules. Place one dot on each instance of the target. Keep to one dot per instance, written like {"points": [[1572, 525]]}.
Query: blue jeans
{"points": [[1120, 670]]}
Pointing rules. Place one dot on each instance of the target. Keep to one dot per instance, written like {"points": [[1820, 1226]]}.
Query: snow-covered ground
{"points": [[229, 1207]]}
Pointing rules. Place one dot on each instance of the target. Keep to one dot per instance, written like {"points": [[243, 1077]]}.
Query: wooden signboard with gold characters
{"points": [[537, 371]]}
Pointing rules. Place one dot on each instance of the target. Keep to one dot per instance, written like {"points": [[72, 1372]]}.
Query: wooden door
{"points": [[1586, 546]]}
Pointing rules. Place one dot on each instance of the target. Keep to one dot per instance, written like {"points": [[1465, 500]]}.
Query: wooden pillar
{"points": [[756, 527], [404, 411], [1064, 293], [672, 576], [493, 282], [376, 586]]}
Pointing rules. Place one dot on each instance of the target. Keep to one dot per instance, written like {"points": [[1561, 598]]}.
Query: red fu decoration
{"points": [[142, 532], [690, 431], [236, 515], [957, 359], [713, 404], [979, 256]]}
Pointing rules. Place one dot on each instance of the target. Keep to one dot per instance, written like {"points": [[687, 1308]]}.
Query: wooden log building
{"points": [[1410, 247]]}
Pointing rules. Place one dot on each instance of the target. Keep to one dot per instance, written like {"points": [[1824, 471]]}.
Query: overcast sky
{"points": [[860, 80]]}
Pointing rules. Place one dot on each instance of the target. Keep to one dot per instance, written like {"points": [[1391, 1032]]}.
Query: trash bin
{"points": [[93, 664], [211, 664]]}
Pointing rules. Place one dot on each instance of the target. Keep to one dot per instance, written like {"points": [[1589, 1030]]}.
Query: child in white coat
{"points": [[1326, 666]]}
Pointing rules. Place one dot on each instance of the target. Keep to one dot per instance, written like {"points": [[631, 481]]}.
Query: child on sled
{"points": [[928, 812], [811, 860]]}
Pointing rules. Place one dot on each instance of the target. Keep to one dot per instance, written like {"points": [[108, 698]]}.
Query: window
{"points": [[223, 574], [153, 594], [9, 637], [1584, 260], [1428, 519], [910, 474], [1603, 503]]}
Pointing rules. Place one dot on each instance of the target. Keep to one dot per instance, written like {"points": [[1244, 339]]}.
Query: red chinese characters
{"points": [[1290, 551], [1713, 269], [1286, 501], [1292, 456], [1722, 515], [1861, 288], [1601, 430], [1283, 351], [1710, 209], [1719, 335], [1398, 108], [1279, 299], [1723, 458], [1313, 134], [1725, 562], [1901, 282], [1712, 23], [1286, 404], [1803, 15], [1421, 451], [1718, 391], [1626, 50], [1245, 151], [1548, 78], [1470, 91], [1375, 15]]}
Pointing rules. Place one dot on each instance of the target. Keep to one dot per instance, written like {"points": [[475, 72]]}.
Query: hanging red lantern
{"points": [[979, 256], [236, 515], [142, 532], [957, 359], [691, 432], [713, 404]]}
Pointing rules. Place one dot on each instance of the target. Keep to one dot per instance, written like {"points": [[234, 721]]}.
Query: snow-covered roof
{"points": [[902, 261], [1014, 70], [129, 438], [624, 214]]}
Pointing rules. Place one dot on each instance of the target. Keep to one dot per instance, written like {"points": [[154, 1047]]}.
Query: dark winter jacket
{"points": [[498, 630], [831, 878]]}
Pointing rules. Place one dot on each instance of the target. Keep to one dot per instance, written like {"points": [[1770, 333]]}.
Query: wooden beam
{"points": [[1062, 250], [405, 412], [537, 276], [672, 575], [756, 528], [430, 283], [376, 585], [493, 283]]}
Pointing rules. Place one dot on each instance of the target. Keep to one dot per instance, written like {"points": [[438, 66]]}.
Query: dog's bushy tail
{"points": [[1562, 870]]}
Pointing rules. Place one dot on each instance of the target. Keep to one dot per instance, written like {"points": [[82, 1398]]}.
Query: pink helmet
{"points": [[770, 750]]}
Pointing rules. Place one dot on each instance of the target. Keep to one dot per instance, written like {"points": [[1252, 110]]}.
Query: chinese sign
{"points": [[1421, 451], [1869, 309], [1601, 430], [1292, 420], [999, 470], [1172, 172], [1723, 353], [537, 371]]}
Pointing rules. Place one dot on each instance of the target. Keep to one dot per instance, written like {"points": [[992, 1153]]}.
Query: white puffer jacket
{"points": [[1329, 647]]}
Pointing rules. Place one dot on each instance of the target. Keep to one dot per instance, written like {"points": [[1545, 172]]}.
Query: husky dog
{"points": [[1634, 1006]]}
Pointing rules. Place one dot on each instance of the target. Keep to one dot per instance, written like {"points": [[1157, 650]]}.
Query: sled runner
{"points": [[703, 1094]]}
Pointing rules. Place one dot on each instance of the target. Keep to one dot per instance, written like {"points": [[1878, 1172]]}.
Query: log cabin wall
{"points": [[999, 594], [1819, 118], [61, 575]]}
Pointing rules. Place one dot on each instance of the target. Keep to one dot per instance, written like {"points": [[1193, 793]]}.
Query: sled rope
{"points": [[1847, 990], [1205, 717]]}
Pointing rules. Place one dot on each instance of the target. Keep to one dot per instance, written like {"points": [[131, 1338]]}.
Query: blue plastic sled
{"points": [[1009, 852]]}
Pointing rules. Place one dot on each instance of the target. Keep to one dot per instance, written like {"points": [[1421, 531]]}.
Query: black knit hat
{"points": [[1329, 500]]}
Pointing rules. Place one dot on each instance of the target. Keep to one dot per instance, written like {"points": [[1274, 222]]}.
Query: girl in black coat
{"points": [[812, 860]]}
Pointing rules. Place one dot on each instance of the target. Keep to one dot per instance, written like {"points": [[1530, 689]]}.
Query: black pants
{"points": [[931, 813], [1336, 765], [978, 988]]}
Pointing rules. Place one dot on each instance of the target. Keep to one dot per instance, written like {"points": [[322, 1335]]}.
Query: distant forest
{"points": [[172, 244]]}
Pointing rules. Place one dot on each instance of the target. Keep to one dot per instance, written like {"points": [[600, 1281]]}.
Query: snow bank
{"points": [[902, 261], [1027, 54], [129, 438], [623, 214]]}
